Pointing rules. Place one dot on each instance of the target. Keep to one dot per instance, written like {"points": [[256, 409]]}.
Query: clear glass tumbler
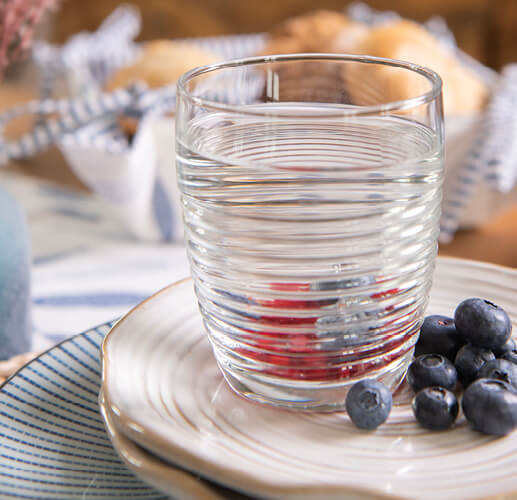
{"points": [[311, 189]]}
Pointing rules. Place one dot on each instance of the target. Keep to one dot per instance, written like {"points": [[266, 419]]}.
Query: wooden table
{"points": [[495, 241]]}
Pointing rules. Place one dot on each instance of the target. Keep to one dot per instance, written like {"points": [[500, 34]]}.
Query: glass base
{"points": [[304, 395]]}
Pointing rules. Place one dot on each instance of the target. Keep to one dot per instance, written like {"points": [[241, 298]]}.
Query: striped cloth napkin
{"points": [[481, 164]]}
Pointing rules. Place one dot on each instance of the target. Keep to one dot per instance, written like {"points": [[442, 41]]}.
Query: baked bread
{"points": [[463, 91], [160, 63], [326, 31], [311, 32]]}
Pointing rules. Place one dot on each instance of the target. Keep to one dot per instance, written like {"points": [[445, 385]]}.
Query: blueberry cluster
{"points": [[473, 350]]}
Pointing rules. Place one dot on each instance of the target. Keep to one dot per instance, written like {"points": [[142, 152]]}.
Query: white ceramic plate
{"points": [[164, 391], [52, 439], [175, 482]]}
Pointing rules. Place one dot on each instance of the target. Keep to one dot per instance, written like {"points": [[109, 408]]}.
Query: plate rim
{"points": [[110, 324], [235, 479], [140, 461], [167, 467]]}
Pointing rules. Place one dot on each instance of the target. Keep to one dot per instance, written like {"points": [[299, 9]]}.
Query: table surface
{"points": [[495, 241]]}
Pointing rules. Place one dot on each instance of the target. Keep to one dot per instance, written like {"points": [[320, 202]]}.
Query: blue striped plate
{"points": [[53, 444]]}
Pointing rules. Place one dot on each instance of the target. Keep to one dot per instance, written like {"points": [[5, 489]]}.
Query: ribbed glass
{"points": [[311, 203]]}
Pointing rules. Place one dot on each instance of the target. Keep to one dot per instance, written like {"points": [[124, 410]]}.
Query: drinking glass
{"points": [[311, 189]]}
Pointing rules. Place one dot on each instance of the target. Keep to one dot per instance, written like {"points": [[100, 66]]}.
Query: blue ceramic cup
{"points": [[15, 325]]}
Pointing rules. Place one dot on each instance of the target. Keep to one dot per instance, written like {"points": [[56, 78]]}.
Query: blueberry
{"points": [[510, 356], [438, 335], [509, 345], [500, 369], [435, 408], [482, 323], [368, 403], [469, 361], [431, 370], [490, 406]]}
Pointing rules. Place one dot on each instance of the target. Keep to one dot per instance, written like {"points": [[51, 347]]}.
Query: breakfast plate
{"points": [[168, 478], [53, 444], [163, 391]]}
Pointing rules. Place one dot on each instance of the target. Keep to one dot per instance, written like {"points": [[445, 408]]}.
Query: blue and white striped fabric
{"points": [[53, 444], [492, 160], [499, 146], [72, 116], [87, 132], [97, 54]]}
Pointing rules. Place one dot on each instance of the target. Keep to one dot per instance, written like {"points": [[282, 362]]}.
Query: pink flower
{"points": [[18, 19]]}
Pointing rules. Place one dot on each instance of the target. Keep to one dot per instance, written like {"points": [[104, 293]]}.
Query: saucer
{"points": [[151, 469], [164, 392]]}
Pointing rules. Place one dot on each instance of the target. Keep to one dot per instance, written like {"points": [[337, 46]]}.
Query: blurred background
{"points": [[485, 29], [79, 243]]}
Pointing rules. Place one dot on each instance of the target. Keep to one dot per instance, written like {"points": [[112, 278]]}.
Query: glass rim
{"points": [[398, 105]]}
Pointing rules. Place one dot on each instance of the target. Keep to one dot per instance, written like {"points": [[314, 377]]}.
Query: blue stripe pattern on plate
{"points": [[52, 439]]}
